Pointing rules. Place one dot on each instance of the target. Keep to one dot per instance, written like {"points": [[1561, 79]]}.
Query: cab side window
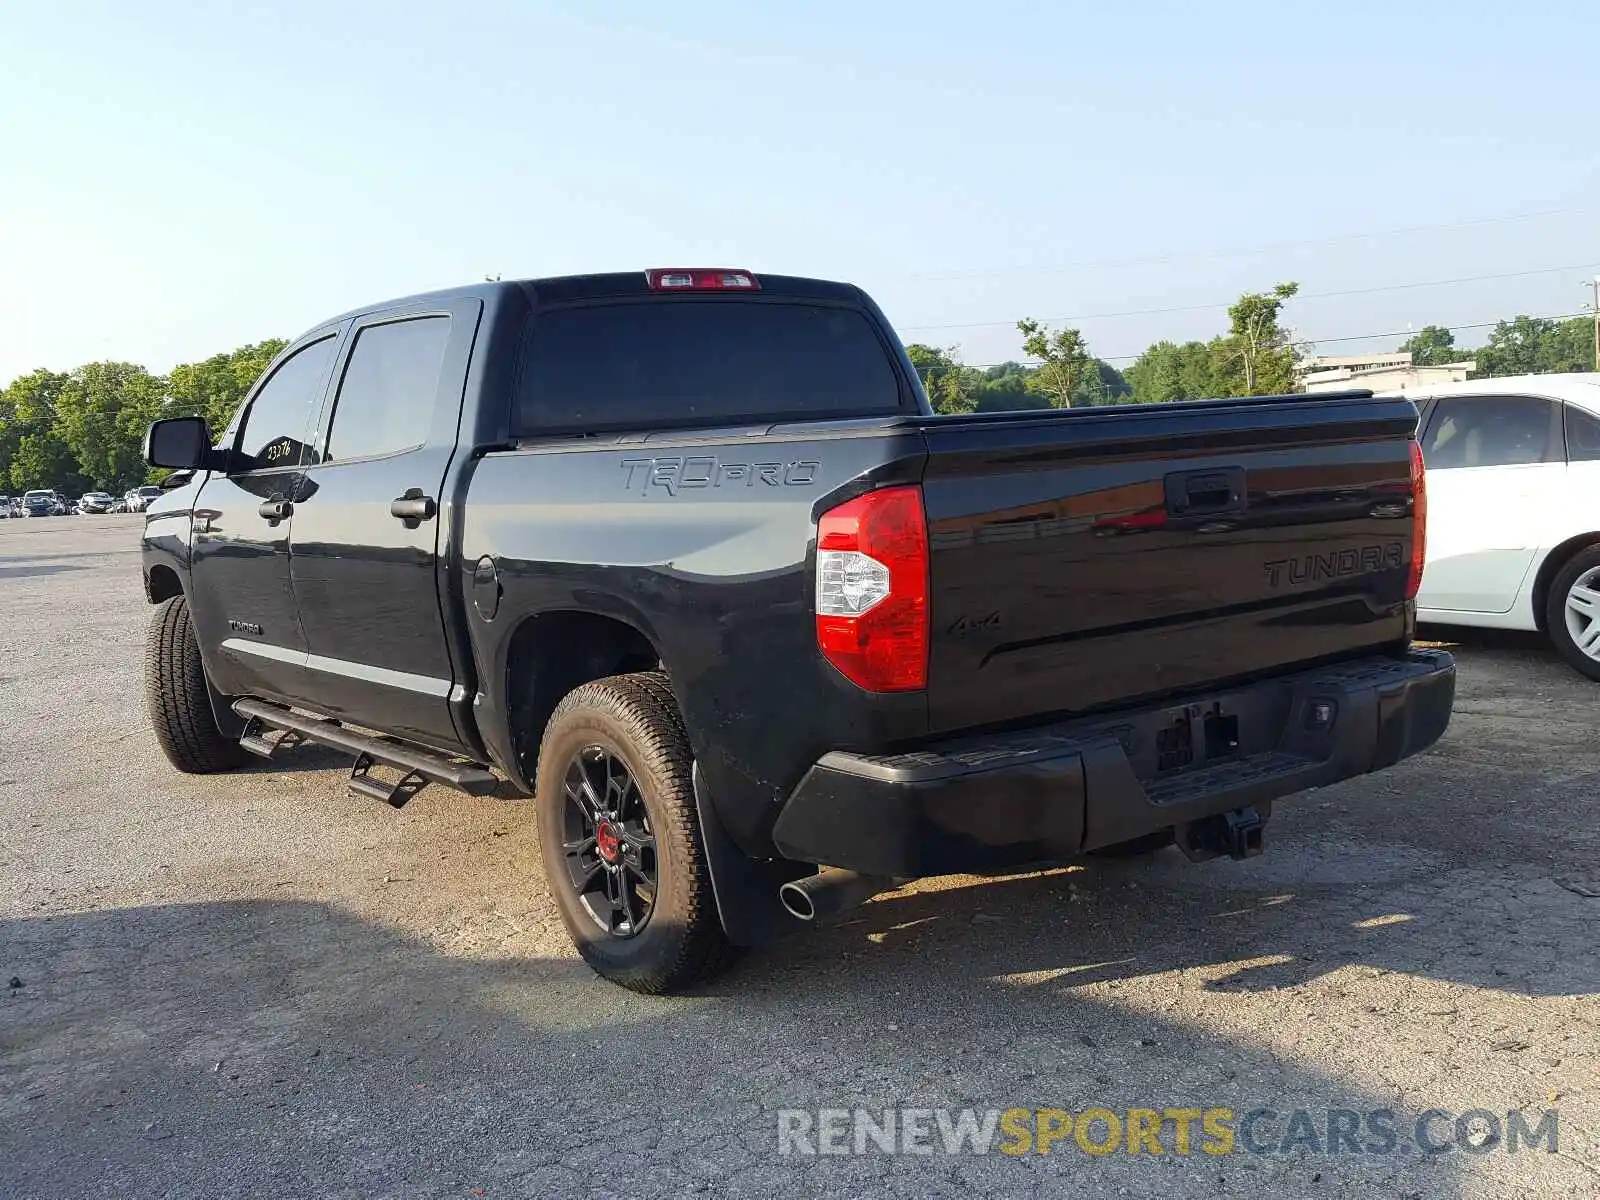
{"points": [[278, 424], [1490, 431], [390, 386]]}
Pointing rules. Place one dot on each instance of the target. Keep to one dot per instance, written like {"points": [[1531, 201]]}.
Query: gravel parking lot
{"points": [[263, 985]]}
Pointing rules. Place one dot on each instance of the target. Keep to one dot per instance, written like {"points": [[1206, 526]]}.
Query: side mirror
{"points": [[182, 442]]}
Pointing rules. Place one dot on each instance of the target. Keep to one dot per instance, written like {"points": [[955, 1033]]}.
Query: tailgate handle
{"points": [[1205, 493]]}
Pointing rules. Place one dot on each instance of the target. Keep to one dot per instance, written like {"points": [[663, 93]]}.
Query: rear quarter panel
{"points": [[704, 544]]}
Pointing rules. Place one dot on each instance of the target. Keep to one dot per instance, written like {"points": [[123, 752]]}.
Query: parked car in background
{"points": [[95, 502], [41, 502], [138, 499], [5, 507], [1514, 508]]}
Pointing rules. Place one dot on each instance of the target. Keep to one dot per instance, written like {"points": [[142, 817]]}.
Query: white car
{"points": [[138, 499], [1513, 484]]}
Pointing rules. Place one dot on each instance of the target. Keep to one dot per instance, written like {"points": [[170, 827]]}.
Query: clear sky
{"points": [[179, 178]]}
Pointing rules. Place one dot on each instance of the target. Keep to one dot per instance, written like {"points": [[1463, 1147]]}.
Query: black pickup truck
{"points": [[684, 556]]}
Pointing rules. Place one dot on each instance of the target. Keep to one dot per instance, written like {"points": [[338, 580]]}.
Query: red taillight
{"points": [[872, 589], [701, 279], [1419, 522]]}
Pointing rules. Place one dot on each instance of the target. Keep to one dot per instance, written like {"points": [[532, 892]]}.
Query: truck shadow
{"points": [[288, 1048], [1121, 921], [1490, 643]]}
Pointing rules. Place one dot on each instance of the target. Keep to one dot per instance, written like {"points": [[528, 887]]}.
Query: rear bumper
{"points": [[1053, 792]]}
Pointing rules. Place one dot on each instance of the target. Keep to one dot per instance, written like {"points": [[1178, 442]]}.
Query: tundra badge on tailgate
{"points": [[1294, 571]]}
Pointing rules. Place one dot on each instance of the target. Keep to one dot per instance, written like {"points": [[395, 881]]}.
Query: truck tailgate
{"points": [[1086, 559]]}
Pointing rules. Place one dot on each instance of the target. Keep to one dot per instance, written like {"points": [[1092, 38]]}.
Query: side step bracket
{"points": [[418, 767], [395, 795]]}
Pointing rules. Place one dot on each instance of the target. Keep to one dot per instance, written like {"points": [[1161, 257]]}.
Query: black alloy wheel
{"points": [[607, 842]]}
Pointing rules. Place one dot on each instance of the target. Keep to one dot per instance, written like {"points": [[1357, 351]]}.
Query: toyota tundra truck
{"points": [[684, 557]]}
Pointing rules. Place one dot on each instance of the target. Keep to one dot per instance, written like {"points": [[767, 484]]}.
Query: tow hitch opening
{"points": [[1238, 834]]}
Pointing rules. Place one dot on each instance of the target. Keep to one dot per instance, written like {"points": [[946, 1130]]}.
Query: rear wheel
{"points": [[178, 698], [620, 837], [1572, 611]]}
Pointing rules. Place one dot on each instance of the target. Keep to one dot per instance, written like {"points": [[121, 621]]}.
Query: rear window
{"points": [[699, 362]]}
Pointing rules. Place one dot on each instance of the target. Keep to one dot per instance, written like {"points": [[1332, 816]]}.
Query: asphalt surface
{"points": [[261, 985]]}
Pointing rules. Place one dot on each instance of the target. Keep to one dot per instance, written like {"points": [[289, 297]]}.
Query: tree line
{"points": [[83, 430], [1256, 356]]}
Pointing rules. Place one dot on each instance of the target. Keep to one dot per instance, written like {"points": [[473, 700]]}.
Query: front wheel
{"points": [[620, 838], [1572, 611], [179, 699]]}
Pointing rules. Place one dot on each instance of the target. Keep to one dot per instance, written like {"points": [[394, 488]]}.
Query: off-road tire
{"points": [[178, 698], [1582, 563], [636, 718]]}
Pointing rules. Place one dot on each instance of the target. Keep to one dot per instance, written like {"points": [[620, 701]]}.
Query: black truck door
{"points": [[366, 544], [240, 594]]}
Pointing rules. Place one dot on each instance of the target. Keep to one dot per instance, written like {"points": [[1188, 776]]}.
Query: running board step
{"points": [[418, 766]]}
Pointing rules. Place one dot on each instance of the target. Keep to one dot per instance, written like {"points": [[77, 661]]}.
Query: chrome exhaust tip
{"points": [[830, 891]]}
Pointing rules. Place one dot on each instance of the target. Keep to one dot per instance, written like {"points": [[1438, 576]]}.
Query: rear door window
{"points": [[1490, 431], [682, 362], [386, 399]]}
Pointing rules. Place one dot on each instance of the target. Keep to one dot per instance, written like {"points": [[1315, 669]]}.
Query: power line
{"points": [[1181, 308], [1240, 251]]}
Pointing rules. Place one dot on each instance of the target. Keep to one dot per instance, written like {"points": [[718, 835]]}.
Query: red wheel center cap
{"points": [[607, 841]]}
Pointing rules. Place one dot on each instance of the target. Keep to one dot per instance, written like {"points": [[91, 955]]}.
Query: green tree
{"points": [[215, 387], [1004, 388], [1515, 347], [29, 448], [102, 413], [1101, 384], [949, 385], [1431, 346], [1534, 346], [1569, 346], [1168, 371], [1260, 343], [43, 460], [1155, 375], [1064, 359]]}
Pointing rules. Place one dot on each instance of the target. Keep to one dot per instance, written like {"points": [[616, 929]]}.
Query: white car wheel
{"points": [[1572, 614], [1583, 613]]}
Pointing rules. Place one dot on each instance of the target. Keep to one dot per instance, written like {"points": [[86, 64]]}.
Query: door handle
{"points": [[276, 510], [1205, 493], [413, 508]]}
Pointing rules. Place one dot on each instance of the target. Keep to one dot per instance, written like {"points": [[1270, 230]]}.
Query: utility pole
{"points": [[1596, 285]]}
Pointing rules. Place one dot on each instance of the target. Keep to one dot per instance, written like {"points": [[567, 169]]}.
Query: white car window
{"points": [[1489, 431], [1583, 435]]}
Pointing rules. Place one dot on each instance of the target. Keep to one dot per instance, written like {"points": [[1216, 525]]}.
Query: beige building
{"points": [[1380, 372]]}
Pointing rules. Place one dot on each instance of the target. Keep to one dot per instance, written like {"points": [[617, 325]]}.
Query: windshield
{"points": [[149, 491], [36, 496]]}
